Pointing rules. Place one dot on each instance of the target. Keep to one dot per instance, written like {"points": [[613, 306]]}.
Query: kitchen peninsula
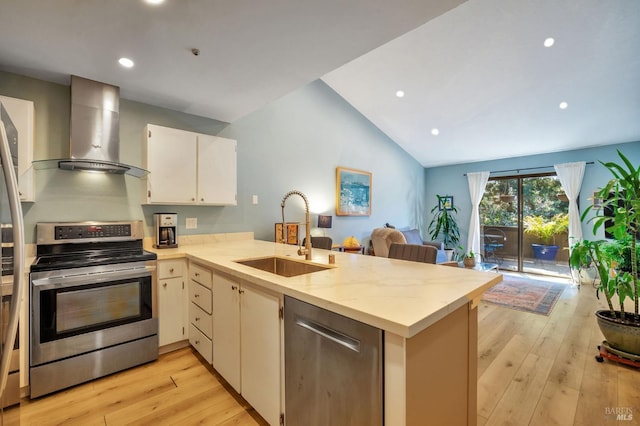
{"points": [[427, 312]]}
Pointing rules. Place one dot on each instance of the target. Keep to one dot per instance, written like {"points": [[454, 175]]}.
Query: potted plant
{"points": [[469, 260], [617, 261], [546, 230], [444, 224]]}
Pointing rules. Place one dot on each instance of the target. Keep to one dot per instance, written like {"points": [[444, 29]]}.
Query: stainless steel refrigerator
{"points": [[12, 290]]}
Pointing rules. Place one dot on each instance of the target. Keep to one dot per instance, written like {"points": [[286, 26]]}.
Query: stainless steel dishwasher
{"points": [[333, 368]]}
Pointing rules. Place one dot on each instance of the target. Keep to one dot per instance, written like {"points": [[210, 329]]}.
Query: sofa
{"points": [[382, 238]]}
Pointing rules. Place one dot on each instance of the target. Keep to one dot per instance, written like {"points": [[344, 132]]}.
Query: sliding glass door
{"points": [[524, 224]]}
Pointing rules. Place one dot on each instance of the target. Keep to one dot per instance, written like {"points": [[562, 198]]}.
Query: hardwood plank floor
{"points": [[532, 370], [178, 389], [539, 370]]}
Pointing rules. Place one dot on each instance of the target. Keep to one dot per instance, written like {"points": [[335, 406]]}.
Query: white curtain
{"points": [[570, 176], [477, 183]]}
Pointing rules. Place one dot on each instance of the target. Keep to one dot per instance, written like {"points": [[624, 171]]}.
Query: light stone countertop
{"points": [[397, 296]]}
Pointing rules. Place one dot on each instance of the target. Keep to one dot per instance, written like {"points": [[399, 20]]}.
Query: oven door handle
{"points": [[64, 281], [18, 254]]}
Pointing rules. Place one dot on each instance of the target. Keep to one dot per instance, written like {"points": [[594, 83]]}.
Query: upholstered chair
{"points": [[413, 252]]}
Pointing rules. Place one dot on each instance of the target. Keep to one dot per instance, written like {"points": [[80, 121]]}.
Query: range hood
{"points": [[95, 131]]}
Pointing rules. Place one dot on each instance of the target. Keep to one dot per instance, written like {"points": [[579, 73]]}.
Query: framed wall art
{"points": [[445, 202], [291, 234], [353, 192]]}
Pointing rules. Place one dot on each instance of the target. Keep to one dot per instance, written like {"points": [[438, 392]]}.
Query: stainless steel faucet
{"points": [[306, 251]]}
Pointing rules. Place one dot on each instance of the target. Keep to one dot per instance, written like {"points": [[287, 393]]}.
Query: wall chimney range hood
{"points": [[95, 131]]}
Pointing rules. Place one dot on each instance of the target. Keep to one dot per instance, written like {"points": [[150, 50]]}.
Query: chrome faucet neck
{"points": [[307, 241]]}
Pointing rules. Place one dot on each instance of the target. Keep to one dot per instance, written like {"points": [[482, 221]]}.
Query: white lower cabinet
{"points": [[200, 311], [260, 355], [172, 301], [226, 329], [247, 343]]}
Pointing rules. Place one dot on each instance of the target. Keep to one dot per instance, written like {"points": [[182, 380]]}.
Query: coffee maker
{"points": [[166, 230]]}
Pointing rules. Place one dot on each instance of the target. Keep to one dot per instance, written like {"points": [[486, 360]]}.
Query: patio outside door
{"points": [[513, 208]]}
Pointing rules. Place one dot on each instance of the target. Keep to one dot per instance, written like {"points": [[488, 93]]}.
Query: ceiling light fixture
{"points": [[435, 132], [549, 41], [400, 93], [125, 62], [154, 1], [563, 105]]}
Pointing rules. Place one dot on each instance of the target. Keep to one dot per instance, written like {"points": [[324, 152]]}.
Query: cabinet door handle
{"points": [[234, 287], [197, 342], [164, 285], [196, 295], [171, 270], [193, 199], [197, 319], [197, 274], [202, 199], [241, 291]]}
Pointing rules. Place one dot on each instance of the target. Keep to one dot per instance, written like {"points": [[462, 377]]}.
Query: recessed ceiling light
{"points": [[563, 105], [435, 132], [125, 62], [154, 1], [548, 42], [400, 93]]}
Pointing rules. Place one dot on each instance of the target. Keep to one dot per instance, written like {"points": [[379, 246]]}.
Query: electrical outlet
{"points": [[192, 223], [254, 199]]}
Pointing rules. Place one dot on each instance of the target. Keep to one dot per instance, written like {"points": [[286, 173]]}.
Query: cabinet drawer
{"points": [[201, 319], [200, 295], [170, 268], [200, 274], [201, 342]]}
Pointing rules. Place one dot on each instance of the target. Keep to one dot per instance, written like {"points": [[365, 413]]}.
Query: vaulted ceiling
{"points": [[477, 70]]}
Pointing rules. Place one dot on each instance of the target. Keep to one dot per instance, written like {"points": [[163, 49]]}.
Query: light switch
{"points": [[192, 223], [254, 199]]}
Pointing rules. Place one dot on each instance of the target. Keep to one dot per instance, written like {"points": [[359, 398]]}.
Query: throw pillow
{"points": [[412, 236]]}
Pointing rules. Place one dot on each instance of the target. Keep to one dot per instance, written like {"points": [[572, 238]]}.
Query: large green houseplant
{"points": [[545, 230], [616, 261], [444, 225]]}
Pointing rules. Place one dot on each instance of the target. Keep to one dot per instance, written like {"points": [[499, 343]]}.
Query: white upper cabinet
{"points": [[217, 170], [21, 115], [189, 168]]}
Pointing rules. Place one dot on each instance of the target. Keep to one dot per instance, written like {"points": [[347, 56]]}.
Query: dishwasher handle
{"points": [[328, 333]]}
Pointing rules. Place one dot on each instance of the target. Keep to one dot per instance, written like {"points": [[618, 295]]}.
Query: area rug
{"points": [[529, 295]]}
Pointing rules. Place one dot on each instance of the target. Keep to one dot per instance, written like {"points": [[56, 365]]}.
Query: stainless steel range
{"points": [[91, 303]]}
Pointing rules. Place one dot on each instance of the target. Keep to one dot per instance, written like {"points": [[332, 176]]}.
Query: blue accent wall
{"points": [[298, 141], [295, 142], [451, 180]]}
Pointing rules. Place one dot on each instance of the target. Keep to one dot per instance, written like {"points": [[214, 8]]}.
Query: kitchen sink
{"points": [[283, 266]]}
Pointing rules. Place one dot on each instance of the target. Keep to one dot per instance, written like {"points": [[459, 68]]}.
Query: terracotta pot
{"points": [[624, 337], [469, 262]]}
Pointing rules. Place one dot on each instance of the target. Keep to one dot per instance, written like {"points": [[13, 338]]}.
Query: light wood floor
{"points": [[539, 370], [532, 369], [178, 389]]}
